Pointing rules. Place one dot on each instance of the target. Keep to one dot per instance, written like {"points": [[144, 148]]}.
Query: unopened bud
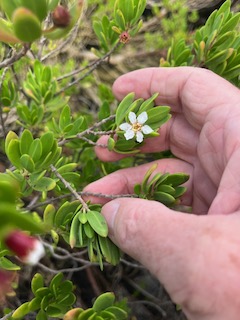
{"points": [[61, 17], [28, 249], [124, 37]]}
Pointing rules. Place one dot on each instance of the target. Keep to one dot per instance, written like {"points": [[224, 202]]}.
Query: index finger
{"points": [[188, 90]]}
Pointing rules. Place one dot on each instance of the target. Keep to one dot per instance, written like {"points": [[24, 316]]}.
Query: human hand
{"points": [[196, 257]]}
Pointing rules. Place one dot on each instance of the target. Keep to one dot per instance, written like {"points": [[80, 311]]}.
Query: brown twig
{"points": [[69, 187], [91, 67], [87, 131], [15, 57]]}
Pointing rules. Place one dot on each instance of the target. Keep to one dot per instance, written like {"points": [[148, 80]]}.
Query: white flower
{"points": [[137, 127]]}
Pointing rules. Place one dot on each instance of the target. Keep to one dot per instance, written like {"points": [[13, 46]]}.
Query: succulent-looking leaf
{"points": [[98, 223], [21, 311], [37, 282], [73, 235], [39, 7], [26, 25], [6, 32]]}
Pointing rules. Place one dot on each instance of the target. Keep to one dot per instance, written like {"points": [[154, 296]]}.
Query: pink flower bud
{"points": [[124, 37], [29, 249], [61, 17]]}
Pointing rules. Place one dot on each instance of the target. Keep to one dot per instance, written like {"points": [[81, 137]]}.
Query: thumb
{"points": [[160, 238]]}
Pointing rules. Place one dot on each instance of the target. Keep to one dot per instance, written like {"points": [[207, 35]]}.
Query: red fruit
{"points": [[61, 17], [29, 249]]}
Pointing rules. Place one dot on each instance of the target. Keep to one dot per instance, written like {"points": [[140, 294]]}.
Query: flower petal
{"points": [[146, 129], [36, 254], [139, 136], [129, 134], [125, 126], [132, 117], [142, 118]]}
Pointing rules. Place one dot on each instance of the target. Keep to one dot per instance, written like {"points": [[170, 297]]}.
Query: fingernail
{"points": [[109, 211]]}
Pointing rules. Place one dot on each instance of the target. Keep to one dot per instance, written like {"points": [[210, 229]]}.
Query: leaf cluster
{"points": [[163, 187], [81, 227], [104, 308], [215, 45], [49, 301]]}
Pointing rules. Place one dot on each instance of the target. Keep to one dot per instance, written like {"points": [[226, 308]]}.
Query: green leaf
{"points": [[35, 150], [52, 4], [44, 184], [176, 179], [179, 191], [88, 230], [98, 223], [66, 208], [104, 301], [8, 265], [87, 314], [137, 189], [147, 176], [65, 117], [49, 215], [41, 315], [73, 234], [106, 315], [119, 313], [164, 198], [120, 20], [26, 140], [82, 216], [231, 23], [42, 292], [123, 107], [109, 250], [67, 300], [34, 304], [21, 311], [111, 144], [37, 282], [27, 163], [67, 167], [219, 57], [8, 7], [13, 152], [9, 215], [148, 104], [167, 189], [56, 280], [26, 25], [39, 7]]}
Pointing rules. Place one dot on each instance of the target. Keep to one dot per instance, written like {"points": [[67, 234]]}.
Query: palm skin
{"points": [[196, 257]]}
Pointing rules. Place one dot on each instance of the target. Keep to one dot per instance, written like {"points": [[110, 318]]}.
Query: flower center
{"points": [[136, 127]]}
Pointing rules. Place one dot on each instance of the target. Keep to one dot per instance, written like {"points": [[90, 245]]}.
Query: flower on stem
{"points": [[136, 127], [28, 249], [124, 37]]}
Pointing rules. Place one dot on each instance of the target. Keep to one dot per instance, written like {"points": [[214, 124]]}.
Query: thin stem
{"points": [[69, 187], [87, 131], [91, 67], [63, 45], [92, 142], [82, 193], [15, 57]]}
